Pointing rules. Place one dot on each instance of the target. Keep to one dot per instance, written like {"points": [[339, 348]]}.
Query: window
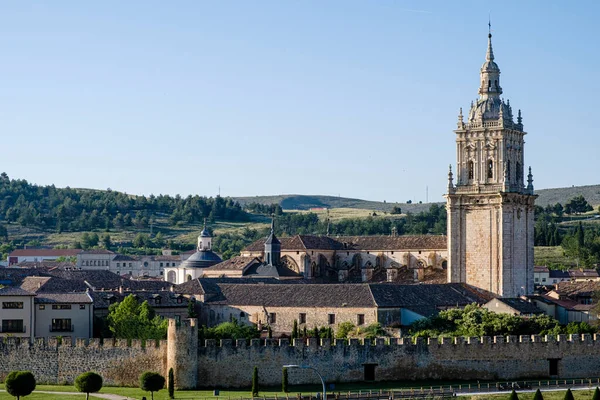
{"points": [[331, 319], [61, 325], [543, 279], [302, 318], [129, 265], [61, 306], [13, 325], [161, 264], [12, 304], [157, 300], [179, 300], [490, 171], [360, 319], [242, 314], [272, 318], [161, 272], [519, 172], [82, 306], [42, 307], [471, 169], [118, 265], [145, 264], [553, 366], [178, 319], [537, 279]]}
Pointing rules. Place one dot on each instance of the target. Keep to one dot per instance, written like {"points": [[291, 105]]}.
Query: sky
{"points": [[341, 97]]}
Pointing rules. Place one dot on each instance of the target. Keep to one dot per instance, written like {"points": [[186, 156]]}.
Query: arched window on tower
{"points": [[471, 170], [508, 170], [489, 84], [496, 84], [490, 169], [519, 176]]}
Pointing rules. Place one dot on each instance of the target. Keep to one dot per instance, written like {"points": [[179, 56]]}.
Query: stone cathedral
{"points": [[490, 210]]}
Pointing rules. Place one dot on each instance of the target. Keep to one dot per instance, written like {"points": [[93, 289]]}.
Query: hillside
{"points": [[563, 195]]}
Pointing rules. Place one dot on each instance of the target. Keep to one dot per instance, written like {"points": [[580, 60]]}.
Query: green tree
{"points": [[513, 395], [295, 330], [577, 205], [344, 329], [131, 320], [88, 382], [171, 384], [152, 382], [191, 310], [19, 383], [568, 395], [284, 380], [229, 330], [538, 395], [255, 382], [596, 394], [106, 242]]}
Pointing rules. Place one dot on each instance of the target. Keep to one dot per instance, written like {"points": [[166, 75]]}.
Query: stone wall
{"points": [[54, 363], [230, 364]]}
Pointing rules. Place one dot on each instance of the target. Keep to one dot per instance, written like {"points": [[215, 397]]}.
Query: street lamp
{"points": [[314, 369]]}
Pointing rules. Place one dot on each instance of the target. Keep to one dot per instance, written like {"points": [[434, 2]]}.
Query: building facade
{"points": [[490, 210]]}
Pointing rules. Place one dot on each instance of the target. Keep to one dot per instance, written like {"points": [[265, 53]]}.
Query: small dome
{"points": [[490, 109], [205, 233], [201, 259], [490, 66]]}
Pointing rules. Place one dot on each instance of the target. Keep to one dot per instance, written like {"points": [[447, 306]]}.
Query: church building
{"points": [[490, 209]]}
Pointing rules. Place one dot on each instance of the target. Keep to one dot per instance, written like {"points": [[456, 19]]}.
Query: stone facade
{"points": [[490, 211]]}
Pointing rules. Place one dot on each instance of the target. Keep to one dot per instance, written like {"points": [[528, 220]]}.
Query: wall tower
{"points": [[490, 210]]}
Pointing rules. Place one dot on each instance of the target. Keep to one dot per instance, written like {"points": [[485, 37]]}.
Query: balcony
{"points": [[68, 328]]}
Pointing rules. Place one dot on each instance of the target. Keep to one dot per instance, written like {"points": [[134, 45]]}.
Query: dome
{"points": [[490, 109], [201, 259], [205, 233], [490, 66]]}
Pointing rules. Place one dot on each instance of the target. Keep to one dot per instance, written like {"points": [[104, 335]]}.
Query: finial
{"points": [[450, 179], [490, 25], [530, 182], [461, 121], [490, 53], [520, 118]]}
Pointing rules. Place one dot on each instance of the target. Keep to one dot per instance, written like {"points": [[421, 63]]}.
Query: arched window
{"points": [[490, 169], [508, 169], [471, 170], [519, 172], [189, 278], [496, 84], [489, 84]]}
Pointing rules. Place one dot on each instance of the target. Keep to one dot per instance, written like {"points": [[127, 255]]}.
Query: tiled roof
{"points": [[44, 252], [282, 295], [44, 264], [102, 300], [583, 273], [234, 264], [520, 305], [356, 243], [14, 291], [260, 269], [14, 276], [540, 269], [78, 298], [434, 295], [123, 257], [46, 284], [166, 258], [578, 289], [97, 251], [102, 279], [556, 273]]}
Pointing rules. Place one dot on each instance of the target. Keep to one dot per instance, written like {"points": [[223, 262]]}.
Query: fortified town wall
{"points": [[229, 364]]}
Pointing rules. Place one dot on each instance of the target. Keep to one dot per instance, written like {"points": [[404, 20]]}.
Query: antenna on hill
{"points": [[219, 190], [426, 194]]}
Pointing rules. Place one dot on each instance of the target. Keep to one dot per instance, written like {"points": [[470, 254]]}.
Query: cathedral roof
{"points": [[201, 259]]}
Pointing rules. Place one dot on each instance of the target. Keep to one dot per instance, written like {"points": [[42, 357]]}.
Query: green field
{"points": [[553, 257], [560, 395]]}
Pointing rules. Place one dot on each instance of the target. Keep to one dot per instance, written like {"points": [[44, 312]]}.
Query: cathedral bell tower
{"points": [[490, 210]]}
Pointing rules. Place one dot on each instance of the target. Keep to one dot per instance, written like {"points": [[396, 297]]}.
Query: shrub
{"points": [[255, 382], [513, 395], [88, 382], [596, 394], [171, 384], [344, 329], [569, 395], [538, 395], [284, 380], [19, 383], [152, 382]]}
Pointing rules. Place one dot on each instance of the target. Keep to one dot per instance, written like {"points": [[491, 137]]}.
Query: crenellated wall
{"points": [[117, 361], [230, 364]]}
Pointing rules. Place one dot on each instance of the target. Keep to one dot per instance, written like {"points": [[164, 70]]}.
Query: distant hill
{"points": [[306, 202], [563, 195]]}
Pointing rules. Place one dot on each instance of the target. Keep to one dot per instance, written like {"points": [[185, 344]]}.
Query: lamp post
{"points": [[314, 369]]}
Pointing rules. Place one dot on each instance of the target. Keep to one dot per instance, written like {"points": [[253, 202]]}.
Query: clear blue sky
{"points": [[350, 98]]}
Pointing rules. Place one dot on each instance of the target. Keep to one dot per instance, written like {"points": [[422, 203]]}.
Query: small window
{"points": [[161, 264], [118, 265], [302, 318], [297, 252], [471, 169], [242, 314], [61, 306], [272, 318], [392, 252], [161, 272], [12, 304], [12, 325], [157, 300], [360, 319], [129, 265], [490, 172], [42, 307], [331, 318], [82, 306]]}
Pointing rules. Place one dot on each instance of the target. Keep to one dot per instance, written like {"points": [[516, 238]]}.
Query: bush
{"points": [[255, 382], [569, 395], [596, 394], [152, 382], [513, 396], [171, 384], [538, 395], [284, 380], [88, 382], [19, 383], [344, 329]]}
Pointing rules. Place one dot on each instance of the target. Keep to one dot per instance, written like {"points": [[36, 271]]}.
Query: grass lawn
{"points": [[578, 394], [552, 255]]}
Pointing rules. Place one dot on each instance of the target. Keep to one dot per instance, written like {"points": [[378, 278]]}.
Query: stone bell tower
{"points": [[490, 210]]}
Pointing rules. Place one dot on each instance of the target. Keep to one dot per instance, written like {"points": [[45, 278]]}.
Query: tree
{"points": [[577, 205], [171, 384], [569, 395], [269, 332], [191, 310], [88, 382], [295, 330], [344, 329], [255, 382], [538, 395], [596, 394], [106, 242], [131, 320], [19, 383], [513, 395], [152, 382], [284, 380]]}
